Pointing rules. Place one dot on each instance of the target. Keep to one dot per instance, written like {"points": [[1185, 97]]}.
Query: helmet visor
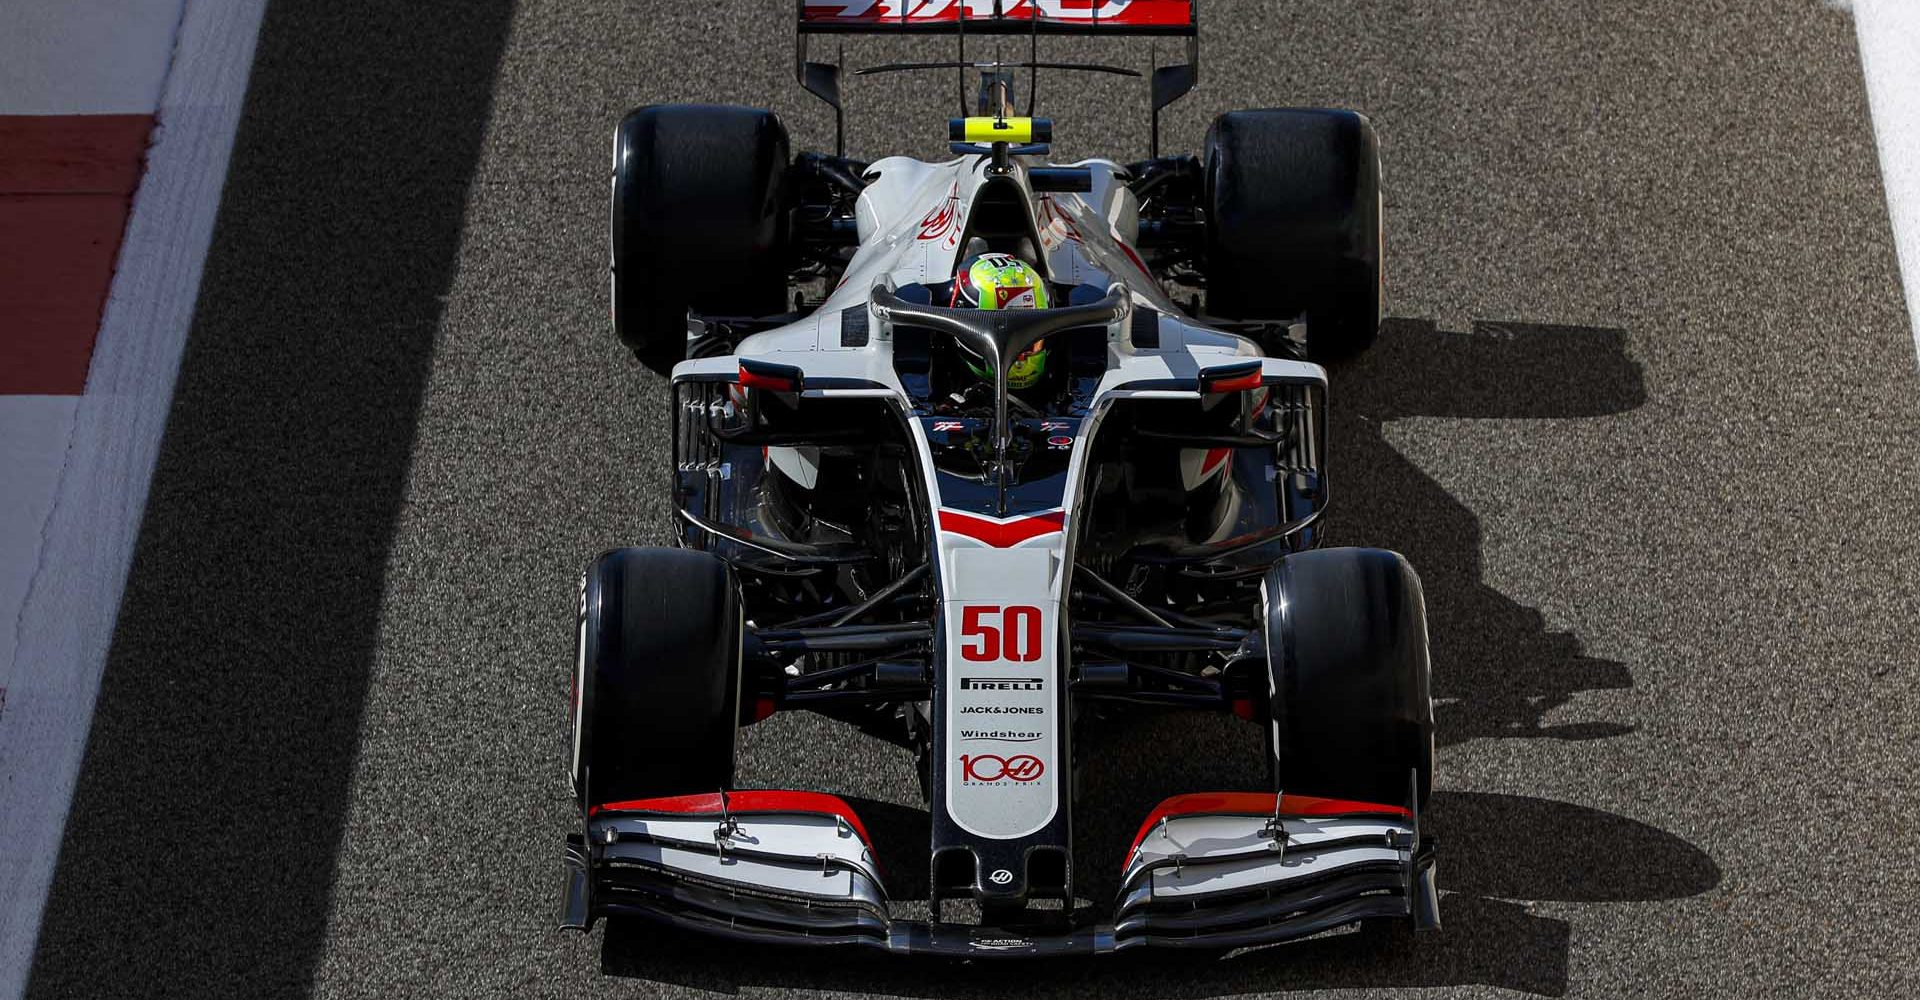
{"points": [[1024, 372]]}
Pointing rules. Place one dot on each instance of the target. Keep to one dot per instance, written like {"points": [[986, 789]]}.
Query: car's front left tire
{"points": [[657, 676]]}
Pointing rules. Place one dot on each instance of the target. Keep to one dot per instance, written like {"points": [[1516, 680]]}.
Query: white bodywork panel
{"points": [[802, 465], [1002, 684], [789, 852], [1223, 853]]}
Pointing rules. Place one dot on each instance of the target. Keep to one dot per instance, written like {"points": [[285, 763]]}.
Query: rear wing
{"points": [[999, 17], [960, 18]]}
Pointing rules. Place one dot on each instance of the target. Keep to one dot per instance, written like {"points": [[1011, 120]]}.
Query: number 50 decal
{"points": [[1015, 636]]}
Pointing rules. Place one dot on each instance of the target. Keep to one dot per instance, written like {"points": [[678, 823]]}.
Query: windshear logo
{"points": [[993, 767], [943, 221]]}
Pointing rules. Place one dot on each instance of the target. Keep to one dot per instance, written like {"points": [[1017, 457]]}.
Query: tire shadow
{"points": [[1498, 671], [198, 859]]}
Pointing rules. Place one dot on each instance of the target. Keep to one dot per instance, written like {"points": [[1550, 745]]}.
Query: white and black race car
{"points": [[872, 530]]}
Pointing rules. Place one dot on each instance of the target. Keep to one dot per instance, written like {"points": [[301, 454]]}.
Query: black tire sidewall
{"points": [[659, 668], [1350, 676], [1293, 223], [697, 221]]}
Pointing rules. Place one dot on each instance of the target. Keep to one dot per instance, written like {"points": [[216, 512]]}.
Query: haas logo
{"points": [[942, 222], [936, 10], [993, 767]]}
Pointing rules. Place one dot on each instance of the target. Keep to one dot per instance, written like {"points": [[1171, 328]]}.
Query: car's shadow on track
{"points": [[1498, 672], [199, 855]]}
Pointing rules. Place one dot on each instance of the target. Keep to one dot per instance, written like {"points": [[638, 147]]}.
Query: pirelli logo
{"points": [[1001, 683]]}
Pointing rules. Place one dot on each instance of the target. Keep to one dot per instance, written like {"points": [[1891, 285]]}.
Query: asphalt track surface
{"points": [[1643, 420]]}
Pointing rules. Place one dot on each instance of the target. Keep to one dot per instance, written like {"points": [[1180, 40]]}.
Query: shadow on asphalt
{"points": [[1498, 671], [199, 856]]}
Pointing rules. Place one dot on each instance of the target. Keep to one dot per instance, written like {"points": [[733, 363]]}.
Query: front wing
{"points": [[1220, 870]]}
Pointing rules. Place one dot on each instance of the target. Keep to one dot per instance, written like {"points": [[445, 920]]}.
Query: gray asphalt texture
{"points": [[1643, 420]]}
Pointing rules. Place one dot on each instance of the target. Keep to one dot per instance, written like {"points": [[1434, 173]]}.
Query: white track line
{"points": [[34, 431], [1889, 33], [67, 621]]}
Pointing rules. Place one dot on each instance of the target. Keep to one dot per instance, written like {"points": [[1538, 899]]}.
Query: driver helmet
{"points": [[1003, 281]]}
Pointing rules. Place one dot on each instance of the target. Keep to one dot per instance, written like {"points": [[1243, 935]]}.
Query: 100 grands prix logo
{"points": [[993, 767]]}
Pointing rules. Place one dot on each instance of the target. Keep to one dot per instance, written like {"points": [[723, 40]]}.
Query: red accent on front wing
{"points": [[743, 803], [1258, 804], [1002, 534]]}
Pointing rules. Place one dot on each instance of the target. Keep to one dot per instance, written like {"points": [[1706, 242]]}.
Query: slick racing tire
{"points": [[698, 222], [1293, 224], [1350, 688], [657, 676]]}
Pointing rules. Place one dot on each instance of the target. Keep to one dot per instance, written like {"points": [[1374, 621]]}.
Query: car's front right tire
{"points": [[1350, 679]]}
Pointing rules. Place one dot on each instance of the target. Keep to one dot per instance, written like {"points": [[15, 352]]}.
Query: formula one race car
{"points": [[966, 454]]}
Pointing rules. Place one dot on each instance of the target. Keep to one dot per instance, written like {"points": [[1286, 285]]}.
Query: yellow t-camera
{"points": [[1018, 131]]}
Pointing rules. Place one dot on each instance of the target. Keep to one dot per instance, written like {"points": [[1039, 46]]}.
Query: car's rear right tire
{"points": [[698, 222], [1350, 678], [657, 681], [1293, 224]]}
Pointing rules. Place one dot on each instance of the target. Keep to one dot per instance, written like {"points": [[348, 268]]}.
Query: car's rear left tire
{"points": [[698, 222], [1349, 676], [657, 676], [1293, 224]]}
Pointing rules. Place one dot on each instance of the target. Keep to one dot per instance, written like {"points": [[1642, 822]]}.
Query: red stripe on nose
{"points": [[1002, 534]]}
